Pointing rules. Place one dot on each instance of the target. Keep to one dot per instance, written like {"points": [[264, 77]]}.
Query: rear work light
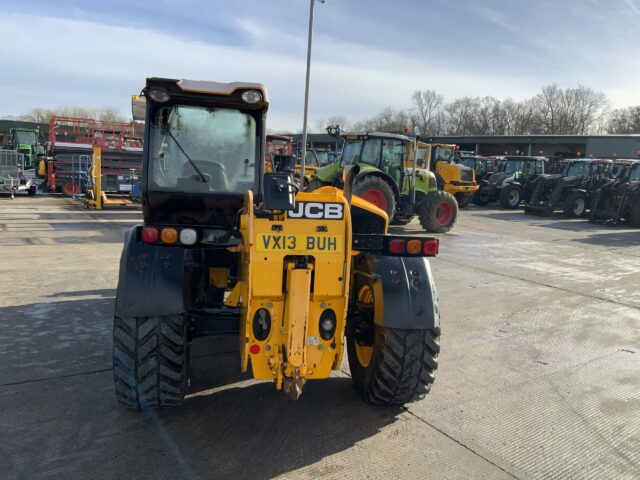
{"points": [[188, 236], [149, 234]]}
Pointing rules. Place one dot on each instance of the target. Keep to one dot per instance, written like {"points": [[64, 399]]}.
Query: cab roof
{"points": [[526, 158], [591, 160], [219, 88], [396, 136]]}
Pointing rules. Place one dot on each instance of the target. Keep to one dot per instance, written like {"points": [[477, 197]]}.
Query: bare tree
{"points": [[38, 115], [624, 121], [428, 112], [43, 115], [110, 114], [567, 111], [388, 120]]}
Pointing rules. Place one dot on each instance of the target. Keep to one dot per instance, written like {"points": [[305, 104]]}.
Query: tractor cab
{"points": [[26, 141], [384, 151]]}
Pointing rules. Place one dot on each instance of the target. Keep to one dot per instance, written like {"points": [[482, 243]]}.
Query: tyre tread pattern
{"points": [[150, 357], [427, 212], [403, 365], [374, 182]]}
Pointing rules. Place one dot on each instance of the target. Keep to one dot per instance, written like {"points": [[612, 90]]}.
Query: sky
{"points": [[367, 54]]}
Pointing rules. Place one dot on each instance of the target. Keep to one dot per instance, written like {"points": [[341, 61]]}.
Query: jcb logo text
{"points": [[317, 210]]}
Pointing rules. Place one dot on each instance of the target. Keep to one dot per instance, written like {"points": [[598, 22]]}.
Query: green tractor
{"points": [[389, 178], [27, 142]]}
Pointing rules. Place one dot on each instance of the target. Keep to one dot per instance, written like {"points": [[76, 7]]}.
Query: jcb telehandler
{"points": [[228, 250]]}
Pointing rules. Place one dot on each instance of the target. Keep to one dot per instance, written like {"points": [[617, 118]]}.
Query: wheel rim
{"points": [[578, 206], [376, 197], [71, 188], [444, 213], [514, 197], [364, 352]]}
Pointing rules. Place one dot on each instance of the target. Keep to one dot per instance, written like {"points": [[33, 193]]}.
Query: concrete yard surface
{"points": [[538, 372]]}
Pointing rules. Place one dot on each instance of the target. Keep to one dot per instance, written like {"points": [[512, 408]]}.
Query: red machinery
{"points": [[70, 146], [277, 145]]}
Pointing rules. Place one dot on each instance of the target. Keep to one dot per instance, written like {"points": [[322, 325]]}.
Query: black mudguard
{"points": [[404, 292], [151, 280]]}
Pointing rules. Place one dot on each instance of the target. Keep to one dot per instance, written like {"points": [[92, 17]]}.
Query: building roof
{"points": [[511, 139]]}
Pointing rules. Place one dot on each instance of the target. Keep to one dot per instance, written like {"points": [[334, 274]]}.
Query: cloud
{"points": [[102, 61]]}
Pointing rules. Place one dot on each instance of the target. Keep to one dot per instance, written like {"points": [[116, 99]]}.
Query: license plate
{"points": [[298, 243], [125, 187]]}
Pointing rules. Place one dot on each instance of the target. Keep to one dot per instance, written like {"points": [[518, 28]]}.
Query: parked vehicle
{"points": [[391, 177], [572, 191], [619, 199], [512, 183], [14, 177], [299, 279], [452, 177], [482, 166]]}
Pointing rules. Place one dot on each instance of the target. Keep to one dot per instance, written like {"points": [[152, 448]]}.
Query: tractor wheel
{"points": [[392, 366], [375, 190], [150, 361], [634, 216], [510, 197], [32, 191], [575, 205], [70, 189], [480, 199], [438, 212]]}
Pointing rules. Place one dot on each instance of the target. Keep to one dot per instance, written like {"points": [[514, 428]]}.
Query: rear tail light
{"points": [[397, 246], [149, 235], [169, 235], [430, 247]]}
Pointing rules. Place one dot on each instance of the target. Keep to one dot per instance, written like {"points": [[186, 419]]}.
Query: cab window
{"points": [[371, 151]]}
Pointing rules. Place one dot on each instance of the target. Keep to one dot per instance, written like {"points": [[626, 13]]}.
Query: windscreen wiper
{"points": [[175, 140]]}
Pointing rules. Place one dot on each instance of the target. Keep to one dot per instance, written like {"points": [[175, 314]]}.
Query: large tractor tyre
{"points": [[438, 212], [510, 197], [378, 192], [575, 205], [150, 361], [634, 216], [398, 368], [480, 199]]}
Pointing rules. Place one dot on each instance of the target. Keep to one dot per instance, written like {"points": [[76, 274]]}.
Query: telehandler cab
{"points": [[229, 250]]}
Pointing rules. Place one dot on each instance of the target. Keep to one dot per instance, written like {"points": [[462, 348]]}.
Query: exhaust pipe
{"points": [[349, 175]]}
